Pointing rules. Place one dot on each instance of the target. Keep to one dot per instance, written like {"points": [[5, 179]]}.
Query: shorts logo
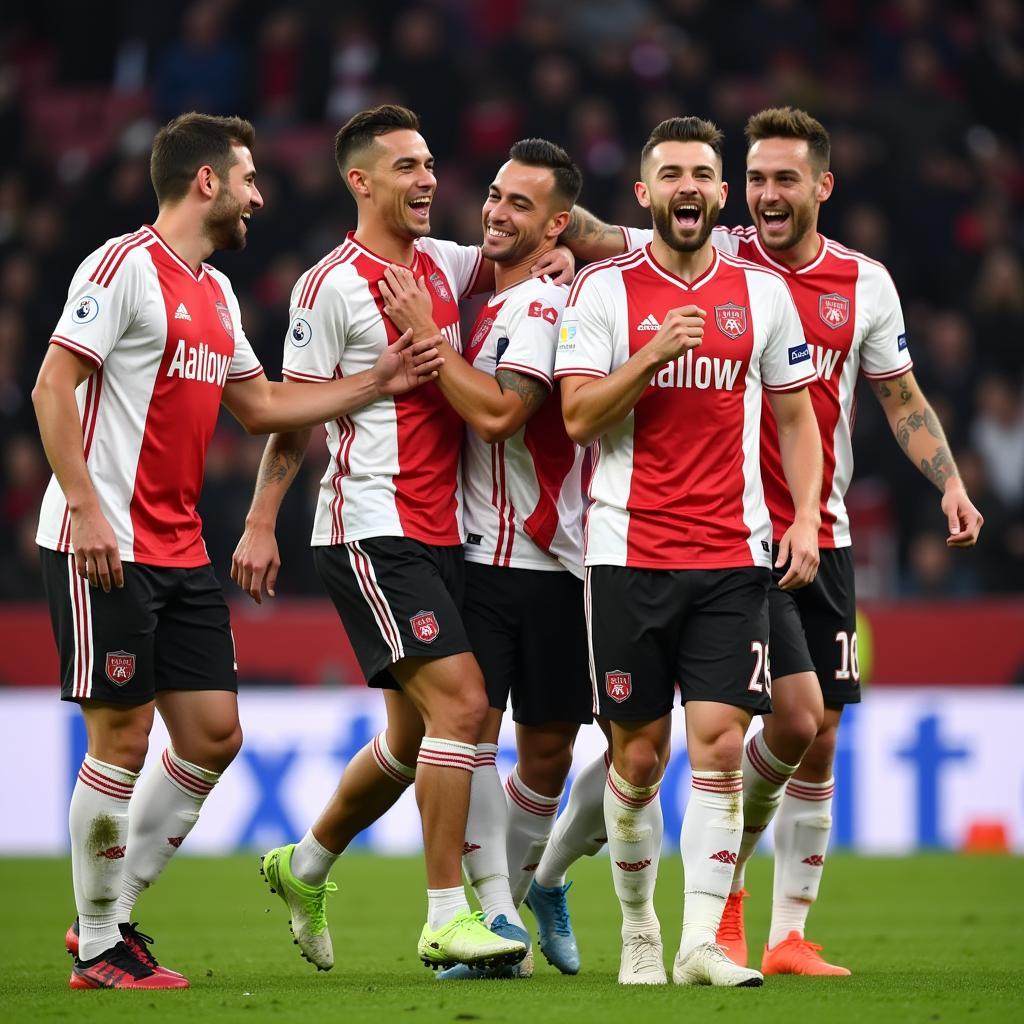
{"points": [[87, 310], [225, 320], [834, 310], [731, 319], [425, 627], [440, 286], [724, 857], [120, 667], [637, 865], [300, 332], [815, 860], [618, 685]]}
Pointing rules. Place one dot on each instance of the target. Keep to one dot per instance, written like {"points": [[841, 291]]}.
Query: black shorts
{"points": [[529, 635], [398, 598], [814, 629], [706, 628], [166, 629]]}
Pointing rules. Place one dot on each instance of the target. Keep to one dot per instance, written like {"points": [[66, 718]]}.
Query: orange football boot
{"points": [[795, 955], [731, 936]]}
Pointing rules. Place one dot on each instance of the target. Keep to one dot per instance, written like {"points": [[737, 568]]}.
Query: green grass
{"points": [[929, 938]]}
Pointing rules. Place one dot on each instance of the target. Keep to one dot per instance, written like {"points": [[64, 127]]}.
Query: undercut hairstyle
{"points": [[192, 141], [541, 153], [791, 123], [359, 131], [684, 129]]}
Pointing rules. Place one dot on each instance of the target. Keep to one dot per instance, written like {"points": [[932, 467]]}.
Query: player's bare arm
{"points": [[919, 433], [590, 238], [256, 560], [800, 447], [592, 407], [60, 427], [263, 406]]}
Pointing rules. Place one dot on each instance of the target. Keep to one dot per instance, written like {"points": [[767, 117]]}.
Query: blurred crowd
{"points": [[923, 100]]}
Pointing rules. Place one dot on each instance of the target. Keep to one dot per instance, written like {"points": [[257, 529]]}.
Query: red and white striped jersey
{"points": [[165, 340], [523, 505], [853, 322], [677, 484], [394, 464]]}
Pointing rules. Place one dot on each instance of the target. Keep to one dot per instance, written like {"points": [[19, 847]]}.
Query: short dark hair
{"points": [[359, 131], [792, 123], [189, 142], [684, 129], [541, 153]]}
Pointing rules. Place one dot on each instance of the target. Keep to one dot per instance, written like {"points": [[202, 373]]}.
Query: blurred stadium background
{"points": [[924, 103]]}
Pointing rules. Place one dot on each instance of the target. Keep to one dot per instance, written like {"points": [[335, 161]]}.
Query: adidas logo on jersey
{"points": [[648, 324], [181, 313]]}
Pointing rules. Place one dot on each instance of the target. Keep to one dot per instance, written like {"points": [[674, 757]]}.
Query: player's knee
{"points": [[793, 732], [125, 747], [216, 748], [821, 753], [461, 717], [546, 770], [723, 752], [640, 763]]}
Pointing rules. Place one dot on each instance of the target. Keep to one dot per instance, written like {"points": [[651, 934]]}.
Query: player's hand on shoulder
{"points": [[682, 330], [799, 547], [256, 562], [97, 558], [407, 301], [559, 264], [964, 519]]}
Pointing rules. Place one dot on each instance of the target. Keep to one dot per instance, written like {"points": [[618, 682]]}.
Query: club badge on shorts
{"points": [[618, 685], [120, 667], [425, 627]]}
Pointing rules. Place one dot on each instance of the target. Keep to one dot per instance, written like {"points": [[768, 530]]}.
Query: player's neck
{"points": [[687, 265], [508, 274], [183, 232], [800, 254], [383, 242]]}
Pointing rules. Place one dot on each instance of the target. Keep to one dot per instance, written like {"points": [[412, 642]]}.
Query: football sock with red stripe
{"points": [[579, 830], [530, 818], [764, 781], [483, 859], [166, 809], [382, 779], [709, 841], [98, 823], [635, 827], [802, 830]]}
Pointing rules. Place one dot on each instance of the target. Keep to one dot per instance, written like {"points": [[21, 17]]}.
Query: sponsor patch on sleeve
{"points": [[567, 338], [901, 342], [798, 353]]}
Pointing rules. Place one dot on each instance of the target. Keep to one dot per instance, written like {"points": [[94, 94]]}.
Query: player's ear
{"points": [[356, 179], [206, 180], [642, 196], [724, 194], [824, 189], [557, 224]]}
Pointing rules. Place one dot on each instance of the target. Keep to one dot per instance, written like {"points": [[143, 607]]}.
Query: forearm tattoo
{"points": [[279, 466], [899, 385], [915, 421], [531, 391], [940, 469]]}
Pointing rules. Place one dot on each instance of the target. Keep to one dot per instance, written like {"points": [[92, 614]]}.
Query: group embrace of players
{"points": [[611, 491]]}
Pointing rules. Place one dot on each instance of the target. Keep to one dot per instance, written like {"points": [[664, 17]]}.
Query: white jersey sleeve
{"points": [[636, 238], [101, 305], [530, 321], [883, 351], [315, 340], [786, 362], [461, 263], [586, 339], [244, 363]]}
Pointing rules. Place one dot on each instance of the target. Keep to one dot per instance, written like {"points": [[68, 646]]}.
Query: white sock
{"points": [[311, 861], [165, 809], [802, 829], [444, 904], [579, 830], [483, 856], [633, 819], [709, 840], [98, 823], [764, 781], [530, 817]]}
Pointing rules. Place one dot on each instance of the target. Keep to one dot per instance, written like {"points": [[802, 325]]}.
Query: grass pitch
{"points": [[929, 938]]}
